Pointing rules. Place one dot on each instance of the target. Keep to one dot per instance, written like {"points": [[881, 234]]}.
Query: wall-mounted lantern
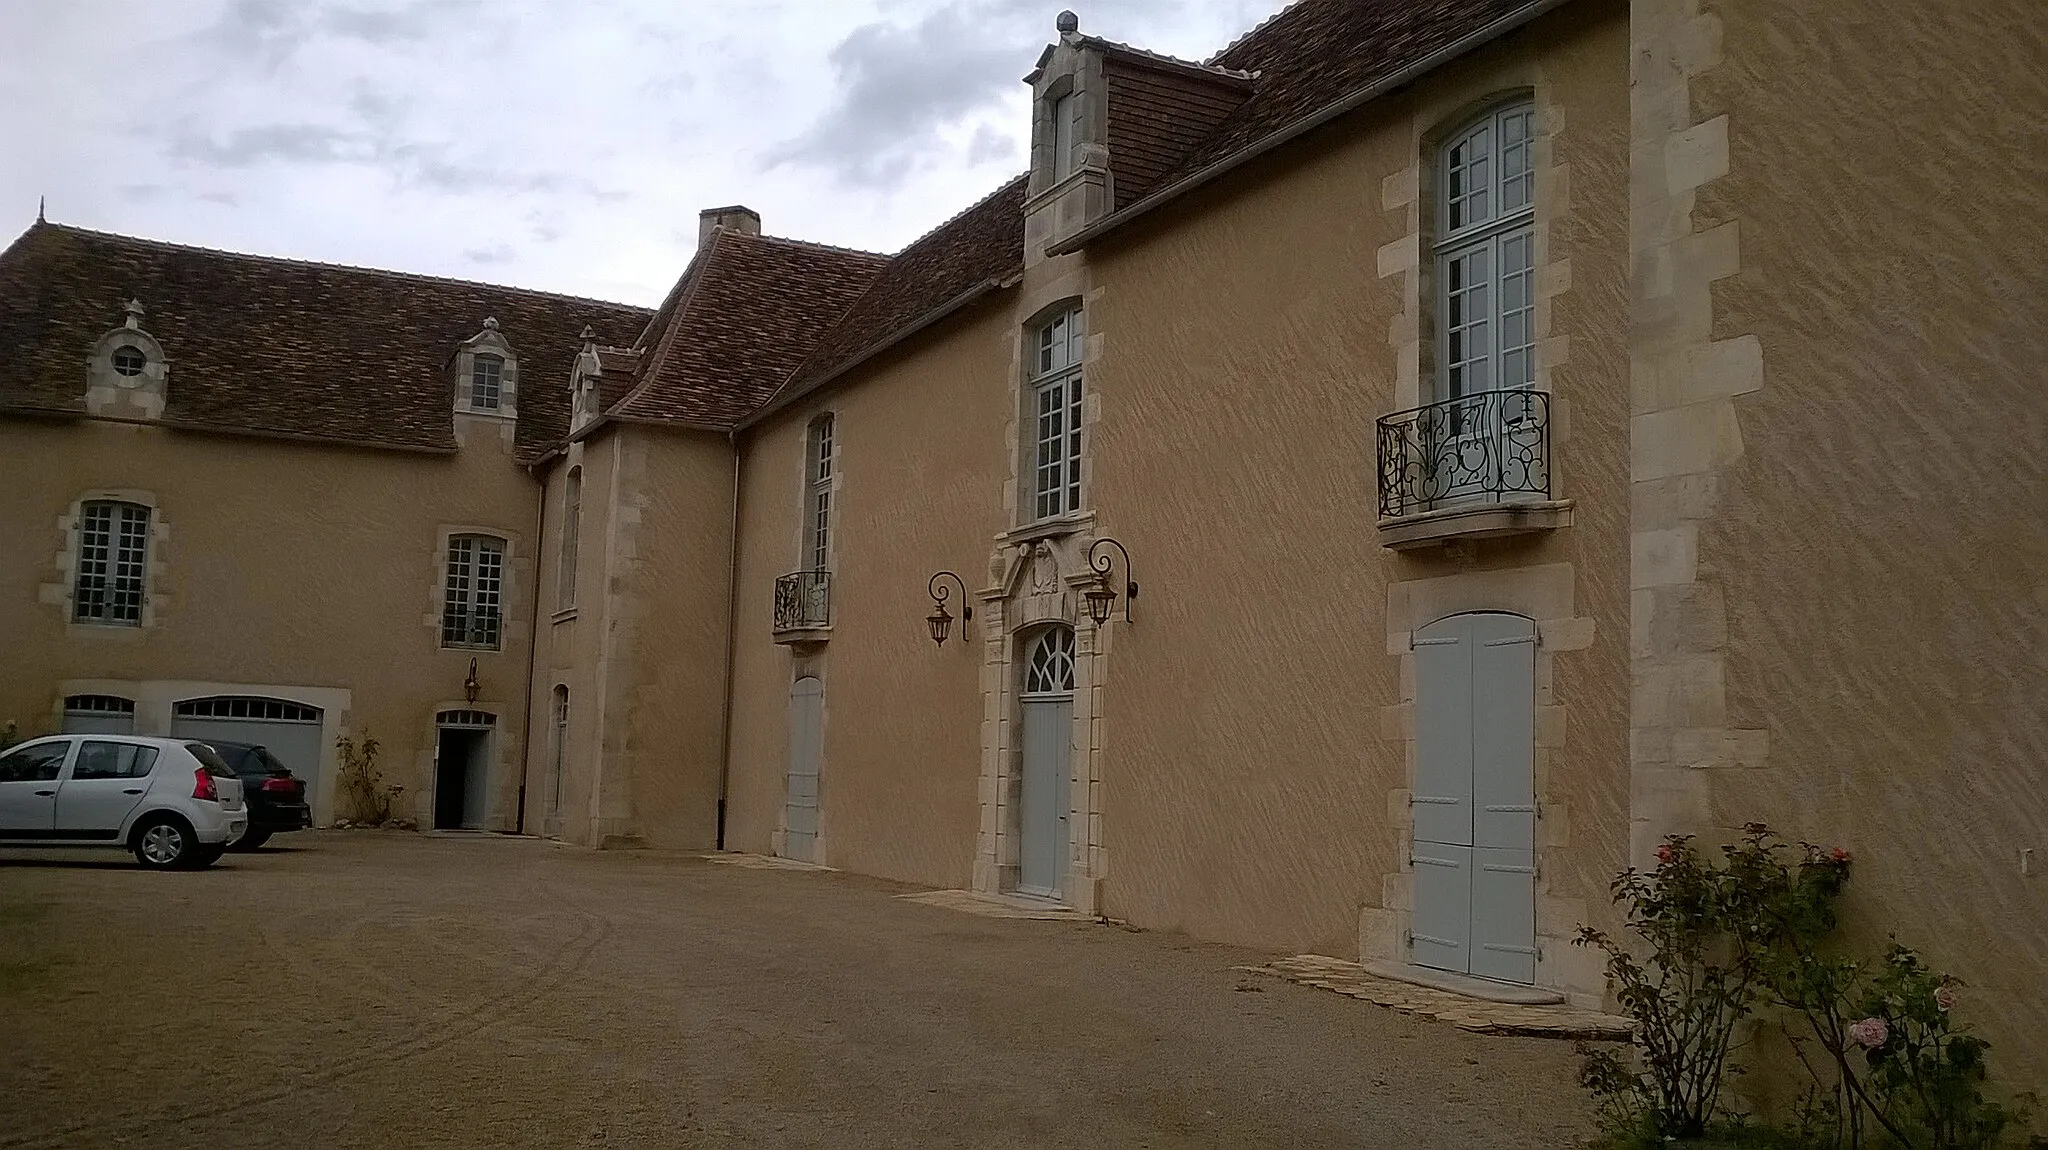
{"points": [[470, 686], [1101, 597], [940, 620]]}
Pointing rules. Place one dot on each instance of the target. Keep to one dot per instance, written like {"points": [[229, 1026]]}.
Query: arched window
{"points": [[572, 525], [472, 603], [1055, 376], [113, 563], [1049, 668], [1486, 254]]}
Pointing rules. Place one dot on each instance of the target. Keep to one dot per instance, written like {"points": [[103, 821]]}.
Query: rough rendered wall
{"points": [[569, 652], [277, 564], [920, 470], [673, 620], [1257, 730], [1861, 539]]}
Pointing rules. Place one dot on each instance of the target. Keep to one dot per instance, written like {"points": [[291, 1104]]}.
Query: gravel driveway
{"points": [[367, 989]]}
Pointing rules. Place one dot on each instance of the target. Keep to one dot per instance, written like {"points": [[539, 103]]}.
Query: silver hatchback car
{"points": [[174, 802]]}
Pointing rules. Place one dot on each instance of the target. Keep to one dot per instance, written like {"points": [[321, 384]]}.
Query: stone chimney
{"points": [[732, 219]]}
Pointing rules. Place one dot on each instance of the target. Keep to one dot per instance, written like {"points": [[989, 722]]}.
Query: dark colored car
{"points": [[276, 798]]}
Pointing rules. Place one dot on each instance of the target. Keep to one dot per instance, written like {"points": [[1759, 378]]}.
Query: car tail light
{"points": [[282, 786], [202, 786]]}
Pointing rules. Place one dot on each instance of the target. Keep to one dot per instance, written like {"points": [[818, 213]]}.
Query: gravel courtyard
{"points": [[370, 989]]}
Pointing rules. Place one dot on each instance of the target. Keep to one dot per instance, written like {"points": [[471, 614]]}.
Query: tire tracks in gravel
{"points": [[559, 967]]}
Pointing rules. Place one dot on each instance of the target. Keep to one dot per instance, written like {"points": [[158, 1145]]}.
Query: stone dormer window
{"points": [[127, 376], [487, 374], [1069, 164], [583, 395]]}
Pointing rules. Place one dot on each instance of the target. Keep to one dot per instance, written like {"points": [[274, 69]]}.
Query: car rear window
{"points": [[211, 760], [271, 762]]}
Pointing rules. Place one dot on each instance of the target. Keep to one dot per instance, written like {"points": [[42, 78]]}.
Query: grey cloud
{"points": [[989, 146], [225, 199], [269, 32], [410, 165], [141, 193], [272, 143], [495, 254]]}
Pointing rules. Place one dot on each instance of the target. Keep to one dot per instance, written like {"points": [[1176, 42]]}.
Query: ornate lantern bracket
{"points": [[1102, 597], [940, 621]]}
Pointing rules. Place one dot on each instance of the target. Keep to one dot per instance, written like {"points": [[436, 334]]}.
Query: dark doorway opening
{"points": [[459, 778]]}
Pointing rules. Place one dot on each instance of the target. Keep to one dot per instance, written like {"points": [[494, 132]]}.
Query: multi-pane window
{"points": [[1056, 405], [486, 382], [818, 495], [113, 562], [1486, 255], [572, 525], [471, 609]]}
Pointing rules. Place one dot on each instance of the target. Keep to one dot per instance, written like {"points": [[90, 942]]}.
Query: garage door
{"points": [[98, 715], [290, 731]]}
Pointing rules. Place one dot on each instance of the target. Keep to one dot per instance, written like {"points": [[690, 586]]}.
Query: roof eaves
{"points": [[1309, 123], [27, 411], [1163, 62], [790, 395]]}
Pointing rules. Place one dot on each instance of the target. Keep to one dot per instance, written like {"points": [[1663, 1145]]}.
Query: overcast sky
{"points": [[557, 144]]}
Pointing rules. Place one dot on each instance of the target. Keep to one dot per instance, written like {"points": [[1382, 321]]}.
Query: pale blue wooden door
{"points": [[1048, 714], [806, 751], [1474, 797]]}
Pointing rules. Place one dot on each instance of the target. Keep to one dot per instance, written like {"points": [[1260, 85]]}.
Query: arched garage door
{"points": [[290, 731]]}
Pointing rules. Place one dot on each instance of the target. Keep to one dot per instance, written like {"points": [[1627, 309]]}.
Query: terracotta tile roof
{"points": [[1160, 110], [275, 346], [1316, 52], [982, 245], [740, 320]]}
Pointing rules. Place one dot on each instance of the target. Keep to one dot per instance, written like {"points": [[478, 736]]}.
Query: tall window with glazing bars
{"points": [[818, 495], [1486, 255], [472, 605], [113, 563], [1056, 400]]}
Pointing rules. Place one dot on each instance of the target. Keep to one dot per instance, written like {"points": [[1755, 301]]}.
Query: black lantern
{"points": [[1101, 597], [470, 686], [941, 620]]}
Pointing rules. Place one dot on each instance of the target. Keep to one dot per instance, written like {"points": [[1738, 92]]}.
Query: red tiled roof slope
{"points": [[1157, 115], [1317, 52], [740, 321], [985, 243], [258, 344]]}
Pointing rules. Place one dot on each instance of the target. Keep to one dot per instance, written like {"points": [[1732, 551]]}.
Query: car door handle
{"points": [[46, 794], [132, 791]]}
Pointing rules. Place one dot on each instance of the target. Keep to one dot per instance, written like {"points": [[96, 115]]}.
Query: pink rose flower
{"points": [[1839, 855], [1870, 1033], [1944, 997], [1664, 853]]}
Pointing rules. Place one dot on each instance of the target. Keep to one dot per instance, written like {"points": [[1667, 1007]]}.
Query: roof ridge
{"points": [[792, 241], [1261, 26], [1160, 57], [657, 354], [420, 277], [949, 221]]}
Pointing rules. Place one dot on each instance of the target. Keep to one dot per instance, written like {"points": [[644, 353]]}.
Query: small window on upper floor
{"points": [[572, 527], [112, 564], [1066, 129], [128, 360], [1486, 255], [486, 382], [472, 606], [1055, 385]]}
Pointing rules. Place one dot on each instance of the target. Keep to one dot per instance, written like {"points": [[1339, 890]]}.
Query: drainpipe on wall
{"points": [[540, 536], [732, 600]]}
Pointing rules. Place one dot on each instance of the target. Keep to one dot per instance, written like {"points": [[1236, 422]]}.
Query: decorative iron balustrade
{"points": [[1493, 446], [803, 599]]}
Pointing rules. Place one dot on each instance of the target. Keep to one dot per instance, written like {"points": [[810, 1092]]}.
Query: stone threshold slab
{"points": [[1480, 1016], [764, 862], [997, 906]]}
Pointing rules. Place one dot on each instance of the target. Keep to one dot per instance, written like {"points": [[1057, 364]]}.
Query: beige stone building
{"points": [[1370, 485]]}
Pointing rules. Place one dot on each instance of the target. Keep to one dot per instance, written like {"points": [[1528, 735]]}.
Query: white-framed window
{"points": [[818, 447], [472, 603], [1066, 131], [1056, 406], [572, 526], [1049, 668], [113, 563], [486, 381], [1486, 254]]}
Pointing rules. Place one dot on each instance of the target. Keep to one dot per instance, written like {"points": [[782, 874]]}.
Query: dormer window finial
{"points": [[1068, 23], [134, 310]]}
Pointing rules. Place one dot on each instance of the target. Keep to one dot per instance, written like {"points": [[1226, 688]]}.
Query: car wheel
{"points": [[251, 841], [164, 843]]}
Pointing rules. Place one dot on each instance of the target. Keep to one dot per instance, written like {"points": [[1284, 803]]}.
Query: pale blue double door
{"points": [[1474, 797]]}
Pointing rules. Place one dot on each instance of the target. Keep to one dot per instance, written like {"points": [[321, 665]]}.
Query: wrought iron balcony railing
{"points": [[803, 600], [1493, 446]]}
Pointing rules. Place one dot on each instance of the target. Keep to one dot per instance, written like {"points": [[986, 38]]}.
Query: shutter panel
{"points": [[1504, 914], [1441, 926], [1442, 798], [1504, 732]]}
